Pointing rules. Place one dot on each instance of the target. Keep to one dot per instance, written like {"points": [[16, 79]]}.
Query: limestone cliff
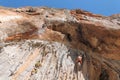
{"points": [[43, 43]]}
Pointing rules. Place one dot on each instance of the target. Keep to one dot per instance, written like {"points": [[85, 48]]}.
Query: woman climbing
{"points": [[79, 62]]}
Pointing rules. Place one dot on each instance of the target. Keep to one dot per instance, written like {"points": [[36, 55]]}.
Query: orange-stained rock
{"points": [[61, 36]]}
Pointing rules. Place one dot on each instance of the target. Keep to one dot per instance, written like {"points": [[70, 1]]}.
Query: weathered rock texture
{"points": [[44, 43]]}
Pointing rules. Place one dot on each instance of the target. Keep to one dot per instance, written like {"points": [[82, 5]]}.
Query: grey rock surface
{"points": [[21, 61], [40, 43]]}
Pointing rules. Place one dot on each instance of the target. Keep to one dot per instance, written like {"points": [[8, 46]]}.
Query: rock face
{"points": [[45, 43]]}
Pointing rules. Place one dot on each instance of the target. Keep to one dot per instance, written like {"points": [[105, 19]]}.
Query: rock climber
{"points": [[79, 62], [79, 59], [78, 66]]}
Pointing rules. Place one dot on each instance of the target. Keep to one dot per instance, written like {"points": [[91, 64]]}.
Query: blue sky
{"points": [[104, 7]]}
